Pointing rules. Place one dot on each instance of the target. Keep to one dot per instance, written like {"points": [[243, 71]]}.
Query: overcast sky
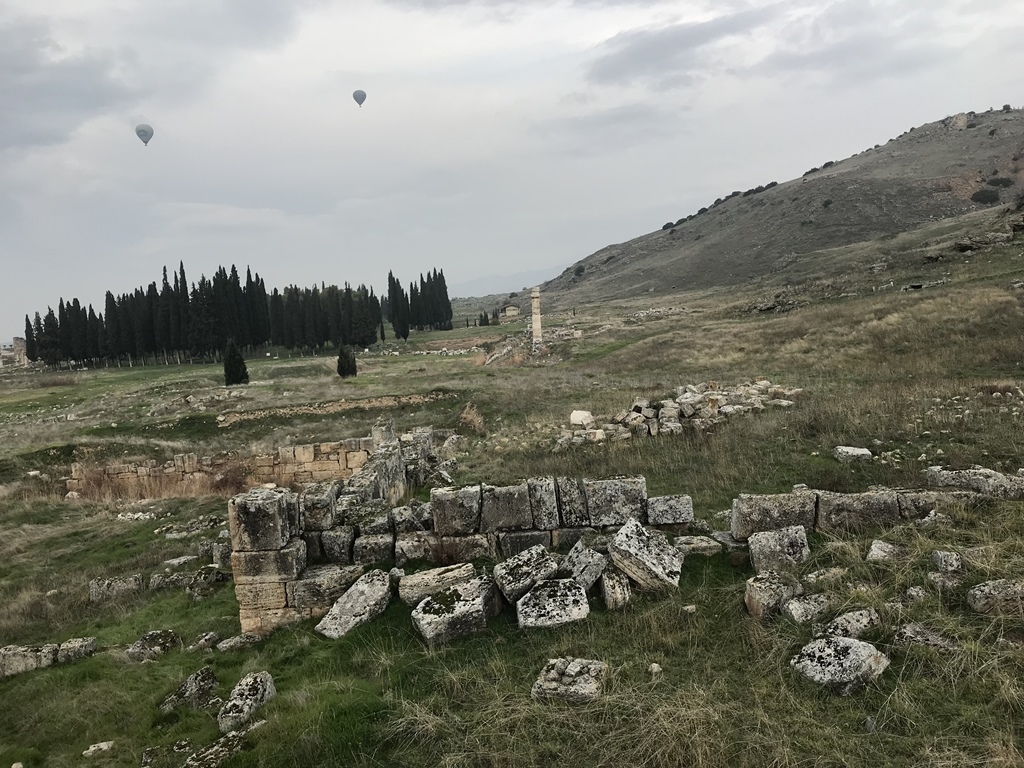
{"points": [[497, 137]]}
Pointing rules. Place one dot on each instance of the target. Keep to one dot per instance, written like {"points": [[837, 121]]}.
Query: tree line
{"points": [[174, 322]]}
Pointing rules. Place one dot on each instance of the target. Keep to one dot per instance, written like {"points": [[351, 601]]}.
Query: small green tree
{"points": [[235, 371], [346, 362]]}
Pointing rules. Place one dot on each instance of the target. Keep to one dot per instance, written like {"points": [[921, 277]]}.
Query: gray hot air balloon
{"points": [[360, 97], [144, 132]]}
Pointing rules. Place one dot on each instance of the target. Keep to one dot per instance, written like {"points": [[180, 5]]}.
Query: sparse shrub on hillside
{"points": [[702, 210], [829, 164], [579, 270], [986, 196], [235, 371], [1000, 181], [1007, 108], [771, 184], [667, 225], [972, 124], [826, 203], [346, 362], [815, 169]]}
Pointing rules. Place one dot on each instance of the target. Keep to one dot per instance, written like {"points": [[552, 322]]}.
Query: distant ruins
{"points": [[14, 355], [535, 301]]}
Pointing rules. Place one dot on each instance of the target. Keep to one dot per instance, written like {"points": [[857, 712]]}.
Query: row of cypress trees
{"points": [[174, 322]]}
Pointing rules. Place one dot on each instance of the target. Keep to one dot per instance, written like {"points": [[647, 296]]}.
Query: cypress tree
{"points": [[31, 351], [346, 361], [235, 371]]}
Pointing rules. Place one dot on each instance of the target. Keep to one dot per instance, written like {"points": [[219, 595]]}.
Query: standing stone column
{"points": [[535, 301]]}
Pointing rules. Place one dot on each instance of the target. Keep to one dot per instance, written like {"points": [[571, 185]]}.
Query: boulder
{"points": [[113, 588], [781, 550], [320, 587], [881, 551], [697, 545], [552, 603], [337, 544], [751, 513], [222, 749], [543, 502], [947, 562], [364, 601], [804, 610], [456, 510], [370, 517], [1003, 597], [857, 512], [415, 587], [583, 564], [96, 749], [260, 519], [505, 508], [767, 592], [196, 692], [16, 659], [204, 642], [846, 454], [978, 479], [583, 419], [457, 549], [238, 643], [578, 681], [318, 504], [75, 649], [457, 611], [422, 545], [374, 548], [851, 624], [252, 692], [613, 502], [616, 590], [646, 557], [917, 504], [412, 519], [513, 542], [153, 645], [842, 664], [517, 575], [205, 581], [273, 565], [669, 510], [572, 503]]}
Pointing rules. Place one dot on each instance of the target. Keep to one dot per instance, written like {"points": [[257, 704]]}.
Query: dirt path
{"points": [[313, 409]]}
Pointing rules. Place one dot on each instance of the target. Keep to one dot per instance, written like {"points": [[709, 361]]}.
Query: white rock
{"points": [[364, 601], [825, 574], [842, 664], [517, 575], [779, 550], [852, 624], [646, 557], [1003, 597], [461, 609], [919, 634], [583, 564], [881, 551], [766, 593], [947, 562], [412, 589], [252, 692], [615, 590], [669, 510], [583, 419], [753, 513], [804, 610], [95, 749], [574, 680], [846, 454], [697, 545], [552, 603]]}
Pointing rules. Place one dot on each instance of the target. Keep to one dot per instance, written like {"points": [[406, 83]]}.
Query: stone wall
{"points": [[185, 469], [313, 463]]}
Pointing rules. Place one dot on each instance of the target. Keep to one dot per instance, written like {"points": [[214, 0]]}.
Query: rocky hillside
{"points": [[932, 172]]}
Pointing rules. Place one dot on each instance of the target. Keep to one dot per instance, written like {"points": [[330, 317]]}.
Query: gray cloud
{"points": [[45, 95], [611, 129], [670, 55]]}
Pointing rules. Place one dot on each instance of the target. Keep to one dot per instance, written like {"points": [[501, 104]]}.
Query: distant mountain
{"points": [[963, 163], [497, 284]]}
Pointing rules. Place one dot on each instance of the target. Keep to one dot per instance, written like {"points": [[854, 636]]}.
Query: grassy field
{"points": [[910, 375]]}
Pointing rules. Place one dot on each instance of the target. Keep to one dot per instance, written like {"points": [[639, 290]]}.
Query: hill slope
{"points": [[926, 174]]}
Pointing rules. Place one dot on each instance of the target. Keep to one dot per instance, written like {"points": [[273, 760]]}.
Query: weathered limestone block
{"points": [[367, 550], [505, 508], [513, 542], [364, 601], [847, 454], [252, 692], [318, 504], [646, 557], [919, 634], [613, 502], [196, 692], [543, 503], [463, 549], [111, 589], [615, 589], [238, 643], [98, 749], [371, 517], [577, 681], [804, 610], [153, 644], [204, 582], [842, 664], [881, 551], [76, 649], [261, 595], [169, 580], [572, 502], [981, 480], [320, 587], [767, 592], [918, 504], [456, 510], [669, 510], [314, 547], [259, 520], [566, 538], [697, 545], [220, 555], [227, 746], [851, 624], [412, 519], [857, 512], [517, 575], [266, 621], [460, 610], [421, 545], [825, 575], [583, 564], [751, 513], [337, 544], [274, 565], [947, 562], [552, 603], [16, 659], [780, 550], [583, 419], [412, 589], [1002, 597]]}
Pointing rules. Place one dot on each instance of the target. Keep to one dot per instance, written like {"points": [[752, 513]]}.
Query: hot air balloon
{"points": [[360, 97], [144, 132]]}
